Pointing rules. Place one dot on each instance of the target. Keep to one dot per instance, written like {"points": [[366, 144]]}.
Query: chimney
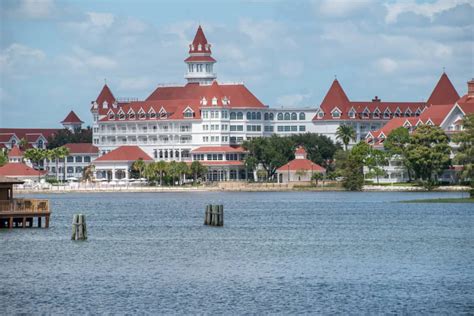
{"points": [[470, 88], [376, 99]]}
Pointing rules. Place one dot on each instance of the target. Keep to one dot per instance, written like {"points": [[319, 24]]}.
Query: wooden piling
{"points": [[220, 221], [79, 227], [214, 215], [207, 216]]}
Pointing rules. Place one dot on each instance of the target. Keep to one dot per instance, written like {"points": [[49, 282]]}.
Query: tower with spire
{"points": [[200, 63]]}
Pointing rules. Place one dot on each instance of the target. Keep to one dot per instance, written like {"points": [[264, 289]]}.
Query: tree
{"points": [[375, 161], [23, 144], [160, 168], [57, 154], [465, 153], [138, 166], [3, 158], [428, 152], [317, 176], [65, 136], [198, 170], [320, 148], [173, 170], [396, 146], [183, 170], [346, 133], [35, 155], [149, 171], [353, 175], [88, 173]]}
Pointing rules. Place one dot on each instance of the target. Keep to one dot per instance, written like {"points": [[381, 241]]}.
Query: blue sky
{"points": [[54, 55]]}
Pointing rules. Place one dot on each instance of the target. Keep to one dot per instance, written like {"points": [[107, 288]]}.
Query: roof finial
{"points": [[105, 80], [444, 69], [335, 77]]}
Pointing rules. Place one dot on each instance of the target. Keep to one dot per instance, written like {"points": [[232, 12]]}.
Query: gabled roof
{"points": [[199, 38], [16, 169], [105, 95], [467, 104], [81, 148], [437, 113], [23, 132], [124, 153], [72, 118], [444, 92], [15, 152]]}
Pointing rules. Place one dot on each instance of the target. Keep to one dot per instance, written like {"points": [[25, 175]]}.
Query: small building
{"points": [[224, 163], [21, 171], [116, 164], [299, 169], [80, 156], [15, 155], [72, 122]]}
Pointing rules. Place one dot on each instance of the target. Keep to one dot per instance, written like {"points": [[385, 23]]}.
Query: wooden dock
{"points": [[18, 212]]}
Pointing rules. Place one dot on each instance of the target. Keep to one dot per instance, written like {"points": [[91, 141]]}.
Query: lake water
{"points": [[295, 252]]}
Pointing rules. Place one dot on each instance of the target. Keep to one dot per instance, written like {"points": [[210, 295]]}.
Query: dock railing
{"points": [[25, 205]]}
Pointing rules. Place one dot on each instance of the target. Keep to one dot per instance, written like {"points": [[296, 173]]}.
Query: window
{"points": [[70, 159], [214, 101], [280, 128], [271, 116], [224, 114], [336, 114], [224, 127], [236, 128], [240, 115], [40, 143], [265, 116], [408, 113], [188, 114], [418, 112], [205, 139], [254, 128], [233, 115], [78, 158], [78, 169], [268, 129], [87, 159], [70, 169], [287, 116], [302, 128], [320, 114], [111, 116], [294, 128], [249, 116], [366, 113], [376, 113], [397, 112], [386, 114], [294, 117], [254, 116], [302, 116], [205, 127], [280, 116], [205, 114]]}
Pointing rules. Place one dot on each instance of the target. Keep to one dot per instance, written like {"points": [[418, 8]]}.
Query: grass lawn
{"points": [[452, 200]]}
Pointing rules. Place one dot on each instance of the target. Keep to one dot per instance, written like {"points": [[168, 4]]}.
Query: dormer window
{"points": [[366, 113], [114, 105], [320, 114], [376, 113], [418, 112], [225, 101], [188, 113], [386, 113], [105, 105], [352, 113], [111, 115], [141, 114], [214, 101], [407, 124], [199, 47], [162, 113], [398, 112], [131, 114], [203, 101], [151, 113], [336, 114], [408, 113], [122, 116]]}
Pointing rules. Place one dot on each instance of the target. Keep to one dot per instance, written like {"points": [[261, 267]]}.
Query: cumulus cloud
{"points": [[18, 57], [427, 9], [341, 8], [35, 9], [82, 60], [386, 65]]}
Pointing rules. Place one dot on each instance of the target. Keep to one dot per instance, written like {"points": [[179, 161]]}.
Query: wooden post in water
{"points": [[214, 215], [79, 228]]}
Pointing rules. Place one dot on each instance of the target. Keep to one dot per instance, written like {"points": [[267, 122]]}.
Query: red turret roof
{"points": [[72, 118], [124, 153], [200, 38], [335, 96], [15, 152], [105, 95], [444, 92]]}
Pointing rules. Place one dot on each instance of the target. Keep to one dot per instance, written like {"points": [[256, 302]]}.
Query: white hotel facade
{"points": [[206, 120]]}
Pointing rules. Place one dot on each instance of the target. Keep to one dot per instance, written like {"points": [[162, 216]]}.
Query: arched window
{"points": [[254, 116], [271, 117], [249, 116], [240, 116], [280, 116], [287, 116], [233, 116], [294, 117], [265, 116], [259, 116], [302, 116], [40, 143]]}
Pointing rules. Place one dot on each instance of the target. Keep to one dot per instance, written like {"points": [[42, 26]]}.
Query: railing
{"points": [[25, 205]]}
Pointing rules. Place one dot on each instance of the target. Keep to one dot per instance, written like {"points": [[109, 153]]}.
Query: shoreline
{"points": [[251, 187]]}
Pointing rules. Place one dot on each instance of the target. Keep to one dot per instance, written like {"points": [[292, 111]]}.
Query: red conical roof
{"points": [[444, 92], [200, 39], [72, 118], [105, 95], [334, 97]]}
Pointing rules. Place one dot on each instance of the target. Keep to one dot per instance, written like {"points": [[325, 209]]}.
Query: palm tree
{"points": [[173, 170], [346, 133], [138, 166], [150, 171], [183, 171], [35, 155], [160, 167], [60, 153]]}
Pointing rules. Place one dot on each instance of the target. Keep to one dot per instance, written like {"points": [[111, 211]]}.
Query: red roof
{"points": [[237, 94], [81, 148], [200, 39], [6, 137], [30, 134], [125, 153], [444, 92], [105, 95], [219, 149], [200, 58], [19, 170], [467, 104], [72, 118], [15, 152], [301, 164], [436, 113]]}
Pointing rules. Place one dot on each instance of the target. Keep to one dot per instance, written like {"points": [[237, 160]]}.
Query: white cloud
{"points": [[427, 9], [291, 99], [340, 8], [97, 19], [36, 9], [261, 30], [386, 65], [94, 24], [19, 56], [83, 60], [291, 68]]}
